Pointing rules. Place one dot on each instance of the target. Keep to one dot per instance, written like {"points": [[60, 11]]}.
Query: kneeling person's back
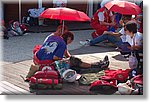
{"points": [[53, 46]]}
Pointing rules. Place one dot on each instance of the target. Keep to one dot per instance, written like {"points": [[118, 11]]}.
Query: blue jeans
{"points": [[108, 37]]}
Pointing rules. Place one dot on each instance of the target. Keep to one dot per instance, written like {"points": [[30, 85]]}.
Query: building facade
{"points": [[17, 9]]}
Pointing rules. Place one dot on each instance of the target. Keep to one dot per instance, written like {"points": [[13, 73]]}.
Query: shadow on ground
{"points": [[91, 50]]}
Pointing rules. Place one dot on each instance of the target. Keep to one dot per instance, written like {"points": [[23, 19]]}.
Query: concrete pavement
{"points": [[19, 48]]}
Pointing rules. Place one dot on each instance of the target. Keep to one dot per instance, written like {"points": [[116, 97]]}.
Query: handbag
{"points": [[133, 62]]}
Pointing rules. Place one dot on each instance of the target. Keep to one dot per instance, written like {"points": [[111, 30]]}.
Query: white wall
{"points": [[90, 8]]}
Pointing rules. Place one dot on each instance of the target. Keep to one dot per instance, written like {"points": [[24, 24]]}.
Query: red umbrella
{"points": [[64, 14], [123, 7]]}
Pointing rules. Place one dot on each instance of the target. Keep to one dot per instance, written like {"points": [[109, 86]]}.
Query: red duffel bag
{"points": [[47, 74], [103, 87], [44, 81]]}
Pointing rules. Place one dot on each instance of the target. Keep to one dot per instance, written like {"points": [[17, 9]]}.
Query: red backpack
{"points": [[137, 83], [108, 83], [103, 87], [120, 74]]}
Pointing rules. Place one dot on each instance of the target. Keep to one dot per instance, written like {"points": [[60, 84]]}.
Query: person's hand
{"points": [[113, 24], [129, 47], [121, 22], [108, 32], [105, 32]]}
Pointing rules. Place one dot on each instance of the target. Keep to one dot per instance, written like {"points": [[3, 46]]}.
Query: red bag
{"points": [[120, 75], [109, 79], [36, 48], [137, 83], [137, 79], [103, 87], [43, 81], [46, 74]]}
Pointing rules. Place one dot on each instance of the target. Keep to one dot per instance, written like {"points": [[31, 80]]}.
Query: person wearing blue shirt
{"points": [[53, 49]]}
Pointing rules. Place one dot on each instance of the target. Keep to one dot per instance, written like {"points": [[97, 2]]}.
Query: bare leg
{"points": [[32, 70], [85, 65]]}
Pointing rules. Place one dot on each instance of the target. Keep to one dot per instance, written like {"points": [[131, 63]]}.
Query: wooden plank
{"points": [[15, 71], [15, 87], [20, 67], [19, 82], [4, 91], [8, 89], [12, 89]]}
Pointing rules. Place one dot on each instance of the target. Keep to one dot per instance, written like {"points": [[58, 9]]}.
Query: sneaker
{"points": [[105, 62], [84, 43], [105, 58]]}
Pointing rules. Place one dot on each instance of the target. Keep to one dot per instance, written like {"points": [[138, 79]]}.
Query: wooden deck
{"points": [[12, 83]]}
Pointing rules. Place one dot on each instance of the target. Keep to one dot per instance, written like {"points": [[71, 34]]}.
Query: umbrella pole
{"points": [[63, 27]]}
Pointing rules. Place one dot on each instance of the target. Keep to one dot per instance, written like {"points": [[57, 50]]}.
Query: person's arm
{"points": [[56, 58], [112, 33], [101, 20], [67, 54], [107, 24], [138, 44], [60, 51], [135, 47]]}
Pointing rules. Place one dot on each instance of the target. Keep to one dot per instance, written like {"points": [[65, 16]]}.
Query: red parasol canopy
{"points": [[64, 14], [123, 7]]}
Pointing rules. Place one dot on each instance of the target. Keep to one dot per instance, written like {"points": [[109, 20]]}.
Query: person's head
{"points": [[59, 29], [68, 37], [130, 28], [126, 18]]}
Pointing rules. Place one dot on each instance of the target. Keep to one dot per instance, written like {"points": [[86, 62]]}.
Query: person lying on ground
{"points": [[73, 63], [81, 66]]}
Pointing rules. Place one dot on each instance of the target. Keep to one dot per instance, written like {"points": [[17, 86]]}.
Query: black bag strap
{"points": [[52, 83]]}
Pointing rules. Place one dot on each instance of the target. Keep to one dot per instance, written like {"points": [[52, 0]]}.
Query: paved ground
{"points": [[17, 55], [19, 48]]}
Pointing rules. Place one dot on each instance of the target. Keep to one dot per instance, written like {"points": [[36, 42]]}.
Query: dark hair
{"points": [[131, 26], [66, 35], [61, 26], [126, 17]]}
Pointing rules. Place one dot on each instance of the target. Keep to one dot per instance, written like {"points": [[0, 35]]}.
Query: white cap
{"points": [[69, 75]]}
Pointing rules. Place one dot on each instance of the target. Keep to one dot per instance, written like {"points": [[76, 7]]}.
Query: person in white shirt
{"points": [[134, 38]]}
